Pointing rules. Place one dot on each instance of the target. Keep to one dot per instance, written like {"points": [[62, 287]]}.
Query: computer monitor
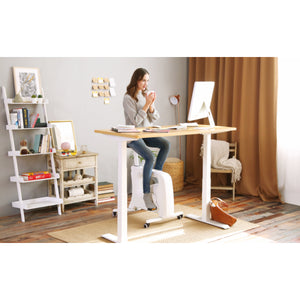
{"points": [[200, 103]]}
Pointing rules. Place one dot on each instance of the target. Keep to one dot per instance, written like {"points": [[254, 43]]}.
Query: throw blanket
{"points": [[220, 159]]}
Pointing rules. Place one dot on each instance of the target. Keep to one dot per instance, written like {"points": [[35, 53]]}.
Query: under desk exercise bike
{"points": [[163, 196]]}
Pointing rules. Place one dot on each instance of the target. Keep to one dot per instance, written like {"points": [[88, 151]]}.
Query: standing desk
{"points": [[123, 138]]}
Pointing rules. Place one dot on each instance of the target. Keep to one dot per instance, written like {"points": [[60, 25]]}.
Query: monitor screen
{"points": [[201, 99]]}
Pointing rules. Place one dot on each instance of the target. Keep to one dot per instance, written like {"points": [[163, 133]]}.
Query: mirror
{"points": [[62, 132]]}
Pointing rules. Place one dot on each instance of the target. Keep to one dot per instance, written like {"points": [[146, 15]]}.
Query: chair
{"points": [[232, 153]]}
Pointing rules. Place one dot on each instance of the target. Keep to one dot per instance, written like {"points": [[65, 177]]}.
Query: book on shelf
{"points": [[37, 141], [105, 184], [41, 142], [45, 143], [105, 187], [25, 117], [36, 175], [40, 124], [106, 195], [100, 192], [33, 119], [14, 119], [19, 117]]}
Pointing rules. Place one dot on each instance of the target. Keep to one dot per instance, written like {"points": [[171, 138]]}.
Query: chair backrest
{"points": [[233, 149]]}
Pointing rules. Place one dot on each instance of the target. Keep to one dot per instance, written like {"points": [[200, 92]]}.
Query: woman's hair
{"points": [[137, 75]]}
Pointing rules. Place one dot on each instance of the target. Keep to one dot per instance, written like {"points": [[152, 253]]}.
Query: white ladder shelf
{"points": [[46, 201]]}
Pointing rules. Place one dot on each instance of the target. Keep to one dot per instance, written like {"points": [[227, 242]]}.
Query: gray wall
{"points": [[67, 85]]}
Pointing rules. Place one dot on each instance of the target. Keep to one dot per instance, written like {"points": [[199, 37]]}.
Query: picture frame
{"points": [[63, 131], [27, 81]]}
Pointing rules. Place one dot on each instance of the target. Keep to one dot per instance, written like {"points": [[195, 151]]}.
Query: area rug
{"points": [[184, 230]]}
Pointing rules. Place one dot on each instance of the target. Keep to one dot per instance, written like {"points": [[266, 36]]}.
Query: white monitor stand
{"points": [[210, 117]]}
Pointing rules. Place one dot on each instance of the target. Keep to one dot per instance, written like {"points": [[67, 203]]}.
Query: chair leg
{"points": [[233, 191]]}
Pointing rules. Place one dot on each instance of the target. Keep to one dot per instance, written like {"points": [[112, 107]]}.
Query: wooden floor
{"points": [[277, 222]]}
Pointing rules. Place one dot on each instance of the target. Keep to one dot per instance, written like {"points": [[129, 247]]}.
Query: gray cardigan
{"points": [[134, 113]]}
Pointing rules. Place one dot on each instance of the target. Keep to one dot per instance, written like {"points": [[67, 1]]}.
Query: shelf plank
{"points": [[85, 197], [17, 153], [11, 101], [37, 202], [78, 182], [20, 179], [12, 127]]}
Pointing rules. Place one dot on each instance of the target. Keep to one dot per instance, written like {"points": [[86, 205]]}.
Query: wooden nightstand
{"points": [[77, 172]]}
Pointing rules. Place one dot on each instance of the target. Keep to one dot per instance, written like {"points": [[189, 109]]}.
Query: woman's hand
{"points": [[151, 107], [150, 98]]}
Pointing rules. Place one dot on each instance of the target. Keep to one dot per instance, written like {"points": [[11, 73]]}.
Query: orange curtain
{"points": [[245, 97]]}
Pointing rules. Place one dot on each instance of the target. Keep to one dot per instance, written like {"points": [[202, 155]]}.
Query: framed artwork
{"points": [[63, 132], [27, 81]]}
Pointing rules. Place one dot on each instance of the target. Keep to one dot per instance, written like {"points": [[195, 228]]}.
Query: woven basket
{"points": [[175, 167]]}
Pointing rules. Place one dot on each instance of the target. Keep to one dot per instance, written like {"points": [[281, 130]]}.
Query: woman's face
{"points": [[143, 83]]}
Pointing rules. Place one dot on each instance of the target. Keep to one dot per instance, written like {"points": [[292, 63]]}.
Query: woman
{"points": [[140, 111]]}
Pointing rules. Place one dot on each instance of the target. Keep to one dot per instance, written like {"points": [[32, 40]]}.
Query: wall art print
{"points": [[27, 81]]}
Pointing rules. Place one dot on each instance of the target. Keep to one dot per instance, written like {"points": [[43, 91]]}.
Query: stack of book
{"points": [[105, 192], [42, 143], [125, 128], [22, 118], [36, 175]]}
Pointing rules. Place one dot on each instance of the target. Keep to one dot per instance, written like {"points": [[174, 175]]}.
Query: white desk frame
{"points": [[122, 140], [206, 187]]}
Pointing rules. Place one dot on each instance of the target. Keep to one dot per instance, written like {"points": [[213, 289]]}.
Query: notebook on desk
{"points": [[155, 130]]}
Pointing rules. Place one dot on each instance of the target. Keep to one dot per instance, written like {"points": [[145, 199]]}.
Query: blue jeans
{"points": [[140, 147]]}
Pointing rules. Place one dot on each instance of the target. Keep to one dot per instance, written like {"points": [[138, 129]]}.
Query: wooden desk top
{"points": [[201, 129]]}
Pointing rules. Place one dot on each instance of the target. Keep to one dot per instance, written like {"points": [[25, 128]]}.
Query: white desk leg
{"points": [[206, 186], [122, 192], [206, 179], [122, 196]]}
